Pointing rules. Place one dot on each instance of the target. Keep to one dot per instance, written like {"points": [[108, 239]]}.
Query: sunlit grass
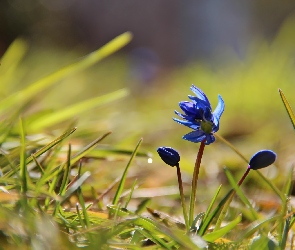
{"points": [[65, 187]]}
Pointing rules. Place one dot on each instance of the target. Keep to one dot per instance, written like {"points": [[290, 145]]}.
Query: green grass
{"points": [[67, 181]]}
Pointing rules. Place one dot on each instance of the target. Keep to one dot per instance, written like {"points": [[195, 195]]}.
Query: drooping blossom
{"points": [[198, 116]]}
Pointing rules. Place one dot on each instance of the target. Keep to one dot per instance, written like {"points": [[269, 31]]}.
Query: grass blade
{"points": [[284, 224], [215, 212], [154, 238], [96, 56], [45, 148], [79, 215], [68, 112], [240, 193], [260, 225], [269, 183], [227, 204], [52, 186], [288, 108], [166, 219], [65, 179], [289, 183], [11, 60], [122, 181], [74, 159], [146, 223], [183, 240], [105, 151], [284, 237], [75, 186], [38, 164], [89, 147], [221, 232], [211, 204], [81, 199], [23, 165], [226, 142], [142, 206], [130, 194]]}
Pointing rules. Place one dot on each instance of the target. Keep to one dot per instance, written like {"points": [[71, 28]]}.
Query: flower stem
{"points": [[182, 197], [195, 181], [244, 176]]}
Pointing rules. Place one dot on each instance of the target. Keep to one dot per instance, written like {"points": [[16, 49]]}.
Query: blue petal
{"points": [[210, 138], [207, 116], [193, 125], [219, 109], [191, 110], [216, 124], [200, 94], [180, 115], [215, 127], [195, 136], [187, 107], [200, 103], [190, 118]]}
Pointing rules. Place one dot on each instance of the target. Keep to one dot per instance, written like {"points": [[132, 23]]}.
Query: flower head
{"points": [[262, 159], [198, 116], [169, 155]]}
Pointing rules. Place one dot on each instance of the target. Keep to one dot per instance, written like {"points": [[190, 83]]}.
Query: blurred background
{"points": [[164, 34], [243, 50]]}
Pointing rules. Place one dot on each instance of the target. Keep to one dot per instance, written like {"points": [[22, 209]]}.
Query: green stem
{"points": [[182, 197], [195, 181], [226, 205]]}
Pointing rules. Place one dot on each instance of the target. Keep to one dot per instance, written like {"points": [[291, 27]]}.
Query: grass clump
{"points": [[50, 172]]}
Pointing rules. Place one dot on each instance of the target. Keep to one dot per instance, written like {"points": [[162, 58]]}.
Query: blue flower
{"points": [[198, 116], [169, 155], [262, 159]]}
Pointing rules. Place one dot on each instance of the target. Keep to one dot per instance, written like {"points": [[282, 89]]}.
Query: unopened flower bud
{"points": [[169, 155], [262, 159]]}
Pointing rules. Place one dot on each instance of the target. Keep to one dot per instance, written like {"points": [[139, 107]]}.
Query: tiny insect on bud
{"points": [[169, 155], [262, 159]]}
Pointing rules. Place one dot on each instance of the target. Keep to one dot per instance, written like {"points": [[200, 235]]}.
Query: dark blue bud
{"points": [[262, 159], [169, 155]]}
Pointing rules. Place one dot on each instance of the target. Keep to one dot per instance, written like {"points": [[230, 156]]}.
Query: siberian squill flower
{"points": [[198, 116]]}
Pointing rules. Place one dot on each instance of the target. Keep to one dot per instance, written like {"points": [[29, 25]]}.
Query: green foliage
{"points": [[211, 237], [124, 175], [56, 193]]}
